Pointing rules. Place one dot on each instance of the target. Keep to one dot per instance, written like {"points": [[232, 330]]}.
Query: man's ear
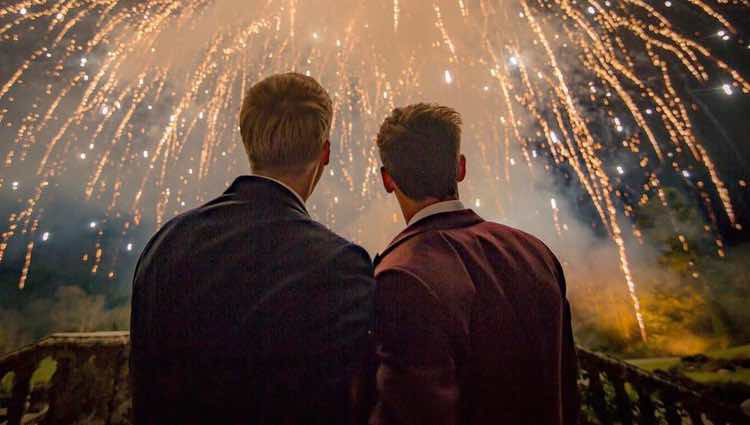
{"points": [[461, 174], [325, 157], [388, 182]]}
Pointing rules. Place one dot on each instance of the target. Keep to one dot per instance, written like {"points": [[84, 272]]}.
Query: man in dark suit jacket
{"points": [[472, 323], [246, 310]]}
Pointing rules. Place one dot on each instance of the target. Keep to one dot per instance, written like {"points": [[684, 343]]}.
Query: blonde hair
{"points": [[420, 145], [284, 121]]}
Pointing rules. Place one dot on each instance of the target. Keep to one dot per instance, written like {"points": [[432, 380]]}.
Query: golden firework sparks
{"points": [[137, 101]]}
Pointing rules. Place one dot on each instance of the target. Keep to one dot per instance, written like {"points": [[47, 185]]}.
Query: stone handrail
{"points": [[617, 392], [90, 385]]}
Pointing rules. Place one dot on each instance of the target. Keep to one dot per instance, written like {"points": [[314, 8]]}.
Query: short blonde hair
{"points": [[420, 145], [284, 121]]}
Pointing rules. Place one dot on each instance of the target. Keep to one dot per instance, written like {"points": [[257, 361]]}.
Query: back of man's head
{"points": [[419, 146], [285, 121]]}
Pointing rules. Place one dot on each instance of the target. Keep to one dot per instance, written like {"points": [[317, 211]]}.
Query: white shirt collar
{"points": [[437, 208], [294, 192]]}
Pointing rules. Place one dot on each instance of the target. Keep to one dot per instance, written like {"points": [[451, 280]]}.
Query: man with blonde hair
{"points": [[246, 310], [472, 323]]}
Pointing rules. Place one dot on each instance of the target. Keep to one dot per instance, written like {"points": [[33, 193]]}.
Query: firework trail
{"points": [[135, 102]]}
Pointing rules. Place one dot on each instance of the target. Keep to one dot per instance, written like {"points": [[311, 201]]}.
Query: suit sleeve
{"points": [[416, 375], [354, 315], [354, 301], [141, 339], [569, 371]]}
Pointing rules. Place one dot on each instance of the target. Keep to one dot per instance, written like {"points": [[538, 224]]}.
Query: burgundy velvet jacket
{"points": [[472, 327]]}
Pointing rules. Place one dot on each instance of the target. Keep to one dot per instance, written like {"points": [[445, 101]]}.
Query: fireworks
{"points": [[137, 101]]}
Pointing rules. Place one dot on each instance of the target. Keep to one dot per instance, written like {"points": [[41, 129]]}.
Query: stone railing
{"points": [[617, 392], [90, 386]]}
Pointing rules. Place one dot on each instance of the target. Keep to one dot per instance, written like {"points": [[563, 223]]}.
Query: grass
{"points": [[664, 363], [740, 375], [742, 351]]}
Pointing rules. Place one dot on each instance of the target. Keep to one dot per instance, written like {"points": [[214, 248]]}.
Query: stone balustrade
{"points": [[617, 392], [90, 386]]}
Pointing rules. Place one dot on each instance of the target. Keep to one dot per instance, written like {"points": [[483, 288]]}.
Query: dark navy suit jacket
{"points": [[245, 310]]}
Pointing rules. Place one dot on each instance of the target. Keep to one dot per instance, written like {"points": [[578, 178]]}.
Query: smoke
{"points": [[540, 206], [368, 65], [71, 309], [158, 136]]}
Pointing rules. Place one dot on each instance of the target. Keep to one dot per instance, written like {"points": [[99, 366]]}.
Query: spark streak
{"points": [[140, 99]]}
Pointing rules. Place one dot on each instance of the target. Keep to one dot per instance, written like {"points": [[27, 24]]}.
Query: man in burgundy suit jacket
{"points": [[472, 323]]}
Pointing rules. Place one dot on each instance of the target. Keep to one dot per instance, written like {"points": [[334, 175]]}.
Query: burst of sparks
{"points": [[159, 122]]}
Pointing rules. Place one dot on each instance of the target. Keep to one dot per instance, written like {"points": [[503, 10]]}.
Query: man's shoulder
{"points": [[333, 255], [302, 235], [425, 248], [296, 226], [416, 254], [321, 244], [189, 217], [182, 222], [344, 252], [505, 231], [164, 235]]}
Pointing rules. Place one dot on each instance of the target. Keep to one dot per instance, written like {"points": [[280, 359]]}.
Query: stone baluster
{"points": [[20, 392], [695, 415], [624, 408], [92, 381], [718, 419], [671, 409], [646, 409], [596, 395], [61, 400]]}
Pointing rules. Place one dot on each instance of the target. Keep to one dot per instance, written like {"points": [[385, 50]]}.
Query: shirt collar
{"points": [[437, 208], [284, 185], [452, 220]]}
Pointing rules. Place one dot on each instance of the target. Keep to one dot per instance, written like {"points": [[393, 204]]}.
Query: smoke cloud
{"points": [[157, 135]]}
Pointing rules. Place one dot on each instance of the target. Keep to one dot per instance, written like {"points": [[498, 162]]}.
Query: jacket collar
{"points": [[286, 186], [440, 221], [254, 187]]}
